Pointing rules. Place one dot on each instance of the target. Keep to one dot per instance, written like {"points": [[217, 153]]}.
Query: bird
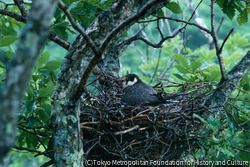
{"points": [[136, 92]]}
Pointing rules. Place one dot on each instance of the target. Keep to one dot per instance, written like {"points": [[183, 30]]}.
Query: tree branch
{"points": [[106, 41], [32, 39], [90, 42], [225, 40], [31, 150], [13, 15], [22, 8], [226, 87], [52, 36], [216, 43]]}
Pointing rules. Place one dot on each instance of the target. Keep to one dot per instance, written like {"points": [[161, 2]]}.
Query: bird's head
{"points": [[130, 79]]}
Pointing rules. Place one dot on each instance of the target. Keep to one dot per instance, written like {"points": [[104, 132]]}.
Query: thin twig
{"points": [[89, 41], [240, 149], [220, 23], [52, 35], [216, 43], [226, 39], [31, 150]]}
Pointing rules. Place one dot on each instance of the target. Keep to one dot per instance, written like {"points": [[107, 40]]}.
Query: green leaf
{"points": [[179, 76], [43, 115], [195, 65], [60, 30], [203, 121], [182, 60], [160, 13], [73, 5], [242, 17], [52, 65], [43, 59], [228, 7], [8, 40], [174, 7], [47, 91], [181, 69]]}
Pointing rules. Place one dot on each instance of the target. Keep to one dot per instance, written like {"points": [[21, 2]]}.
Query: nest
{"points": [[111, 130]]}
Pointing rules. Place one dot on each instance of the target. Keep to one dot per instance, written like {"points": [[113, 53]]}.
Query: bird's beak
{"points": [[124, 79]]}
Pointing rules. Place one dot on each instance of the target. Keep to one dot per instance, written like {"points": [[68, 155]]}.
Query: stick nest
{"points": [[111, 130]]}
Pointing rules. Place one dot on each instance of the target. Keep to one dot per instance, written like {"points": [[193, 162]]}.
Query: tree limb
{"points": [[22, 8], [226, 87], [52, 35], [216, 43], [90, 42], [32, 39]]}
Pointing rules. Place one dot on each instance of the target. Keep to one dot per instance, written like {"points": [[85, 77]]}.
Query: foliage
{"points": [[230, 7], [221, 131], [192, 64]]}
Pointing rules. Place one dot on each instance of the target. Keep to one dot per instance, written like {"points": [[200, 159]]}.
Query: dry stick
{"points": [[127, 130], [52, 36], [216, 43], [90, 42]]}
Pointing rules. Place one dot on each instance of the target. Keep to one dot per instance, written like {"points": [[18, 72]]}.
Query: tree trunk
{"points": [[226, 87], [65, 109], [32, 40]]}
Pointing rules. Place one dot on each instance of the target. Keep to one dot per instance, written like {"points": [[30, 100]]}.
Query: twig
{"points": [[31, 150], [183, 21], [127, 130], [13, 15], [48, 163], [226, 39], [127, 21], [52, 36], [22, 8], [220, 23], [75, 95], [90, 42], [216, 43], [156, 68], [12, 3], [240, 149]]}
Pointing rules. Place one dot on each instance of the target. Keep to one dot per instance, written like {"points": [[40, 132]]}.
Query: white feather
{"points": [[129, 83]]}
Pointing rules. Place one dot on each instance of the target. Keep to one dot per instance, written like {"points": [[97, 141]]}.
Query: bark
{"points": [[32, 40], [65, 109], [226, 87]]}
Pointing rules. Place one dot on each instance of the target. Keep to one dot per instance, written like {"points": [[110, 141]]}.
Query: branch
{"points": [[22, 8], [225, 40], [126, 22], [90, 42], [52, 36], [31, 150], [240, 149], [226, 87], [18, 73], [12, 3], [105, 43], [13, 15], [183, 21], [216, 43]]}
